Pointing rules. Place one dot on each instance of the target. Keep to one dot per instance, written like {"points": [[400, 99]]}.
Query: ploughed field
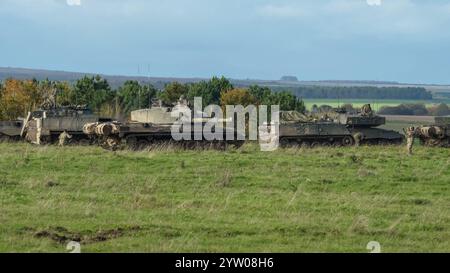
{"points": [[239, 200]]}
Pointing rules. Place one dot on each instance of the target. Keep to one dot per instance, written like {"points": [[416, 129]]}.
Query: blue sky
{"points": [[395, 40]]}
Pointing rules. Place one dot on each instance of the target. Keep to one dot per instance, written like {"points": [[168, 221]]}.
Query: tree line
{"points": [[417, 109], [18, 97], [361, 92]]}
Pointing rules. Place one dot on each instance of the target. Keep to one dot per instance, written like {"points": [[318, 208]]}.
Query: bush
{"points": [[404, 109], [439, 110]]}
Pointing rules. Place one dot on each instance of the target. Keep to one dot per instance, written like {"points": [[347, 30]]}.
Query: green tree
{"points": [[261, 94], [209, 91], [63, 93], [133, 96], [92, 91], [172, 92], [286, 100]]}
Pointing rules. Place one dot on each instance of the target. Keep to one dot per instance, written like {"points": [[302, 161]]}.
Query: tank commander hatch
{"points": [[366, 110]]}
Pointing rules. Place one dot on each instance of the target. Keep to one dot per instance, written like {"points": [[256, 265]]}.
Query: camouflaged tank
{"points": [[45, 126], [298, 129], [435, 135], [148, 127], [337, 128], [364, 129], [10, 130]]}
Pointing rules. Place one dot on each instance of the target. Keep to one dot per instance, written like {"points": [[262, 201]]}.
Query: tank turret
{"points": [[363, 126]]}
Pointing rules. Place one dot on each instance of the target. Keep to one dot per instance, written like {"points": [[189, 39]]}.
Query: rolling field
{"points": [[167, 200], [376, 104], [398, 123]]}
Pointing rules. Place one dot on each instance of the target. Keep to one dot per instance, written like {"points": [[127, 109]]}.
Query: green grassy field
{"points": [[396, 123], [291, 200], [376, 104]]}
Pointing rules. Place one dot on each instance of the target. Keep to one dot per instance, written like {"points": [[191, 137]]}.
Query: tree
{"points": [[440, 110], [209, 91], [404, 109], [133, 96], [92, 91], [63, 93], [360, 92], [238, 96], [261, 94], [287, 101], [2, 107], [172, 92], [18, 98]]}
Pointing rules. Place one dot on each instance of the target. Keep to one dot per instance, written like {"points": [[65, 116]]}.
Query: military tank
{"points": [[10, 130], [149, 127], [338, 128], [435, 135], [45, 126], [363, 128], [298, 129]]}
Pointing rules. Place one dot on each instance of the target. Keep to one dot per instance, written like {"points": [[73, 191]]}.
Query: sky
{"points": [[386, 40]]}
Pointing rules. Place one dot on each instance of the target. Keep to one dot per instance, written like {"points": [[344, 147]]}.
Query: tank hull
{"points": [[138, 135], [10, 130], [315, 134], [342, 130], [375, 136], [45, 126]]}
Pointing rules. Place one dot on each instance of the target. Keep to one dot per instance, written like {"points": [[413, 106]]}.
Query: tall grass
{"points": [[238, 200]]}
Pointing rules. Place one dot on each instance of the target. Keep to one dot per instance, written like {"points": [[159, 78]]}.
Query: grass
{"points": [[396, 123], [291, 200], [376, 104]]}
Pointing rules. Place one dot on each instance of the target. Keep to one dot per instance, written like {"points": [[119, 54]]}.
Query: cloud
{"points": [[74, 2], [374, 2]]}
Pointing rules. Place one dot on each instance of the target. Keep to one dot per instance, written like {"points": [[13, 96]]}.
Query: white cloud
{"points": [[374, 2], [74, 2]]}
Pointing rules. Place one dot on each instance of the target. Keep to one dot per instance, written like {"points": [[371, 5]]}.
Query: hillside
{"points": [[159, 82]]}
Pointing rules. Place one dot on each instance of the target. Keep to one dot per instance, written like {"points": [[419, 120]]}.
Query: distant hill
{"points": [[114, 80], [159, 82], [289, 79]]}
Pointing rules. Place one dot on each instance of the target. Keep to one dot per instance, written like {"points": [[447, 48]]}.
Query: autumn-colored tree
{"points": [[1, 100], [18, 98], [238, 96], [441, 109]]}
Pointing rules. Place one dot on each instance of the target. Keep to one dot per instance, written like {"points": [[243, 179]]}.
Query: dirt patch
{"points": [[61, 235], [50, 184]]}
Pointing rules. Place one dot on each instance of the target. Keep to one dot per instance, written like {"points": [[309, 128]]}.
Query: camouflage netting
{"points": [[288, 117]]}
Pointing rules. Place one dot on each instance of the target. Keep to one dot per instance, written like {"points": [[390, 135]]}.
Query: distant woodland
{"points": [[19, 96], [361, 92]]}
